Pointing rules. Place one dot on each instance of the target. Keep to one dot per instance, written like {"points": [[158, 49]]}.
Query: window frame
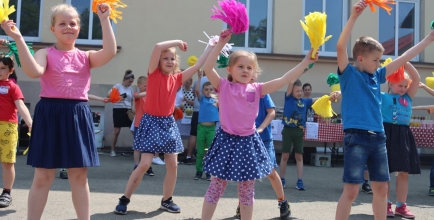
{"points": [[18, 22], [269, 47], [90, 41], [416, 36], [344, 21]]}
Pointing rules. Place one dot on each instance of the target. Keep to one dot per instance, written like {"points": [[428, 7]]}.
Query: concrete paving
{"points": [[107, 184]]}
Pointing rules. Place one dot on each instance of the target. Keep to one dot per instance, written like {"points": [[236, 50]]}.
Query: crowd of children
{"points": [[240, 150]]}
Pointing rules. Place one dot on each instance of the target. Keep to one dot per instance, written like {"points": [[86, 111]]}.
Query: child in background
{"points": [[237, 152], [63, 106], [401, 147], [364, 140], [206, 124], [11, 100], [158, 132]]}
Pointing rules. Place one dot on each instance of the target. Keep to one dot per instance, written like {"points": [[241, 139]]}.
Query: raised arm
{"points": [[410, 54], [140, 95], [415, 78], [197, 87], [189, 72], [341, 47], [108, 51], [24, 112], [34, 67], [159, 48], [289, 77], [208, 67], [421, 107], [427, 89]]}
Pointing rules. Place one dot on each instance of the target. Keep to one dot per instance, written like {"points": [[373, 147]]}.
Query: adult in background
{"points": [[120, 109]]}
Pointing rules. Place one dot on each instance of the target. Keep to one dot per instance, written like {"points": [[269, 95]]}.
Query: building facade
{"points": [[275, 34]]}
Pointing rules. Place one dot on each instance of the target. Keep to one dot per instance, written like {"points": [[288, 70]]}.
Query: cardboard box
{"points": [[321, 160]]}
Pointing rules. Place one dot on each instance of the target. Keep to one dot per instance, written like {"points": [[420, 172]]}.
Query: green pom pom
{"points": [[223, 61], [432, 25], [13, 50], [332, 79]]}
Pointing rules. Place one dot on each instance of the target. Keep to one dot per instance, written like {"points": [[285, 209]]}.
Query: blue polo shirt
{"points": [[294, 111], [264, 103]]}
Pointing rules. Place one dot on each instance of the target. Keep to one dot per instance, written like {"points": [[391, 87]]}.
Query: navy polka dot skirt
{"points": [[401, 147], [237, 158], [158, 135]]}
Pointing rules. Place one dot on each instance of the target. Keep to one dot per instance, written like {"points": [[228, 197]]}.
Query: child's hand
{"points": [[308, 58], [225, 36], [2, 41], [183, 46], [421, 85], [334, 96], [103, 11], [11, 30], [106, 100], [358, 8], [259, 130]]}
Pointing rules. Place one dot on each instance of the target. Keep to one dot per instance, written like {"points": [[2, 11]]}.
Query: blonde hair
{"points": [[63, 8], [233, 58], [142, 79], [176, 69], [366, 45]]}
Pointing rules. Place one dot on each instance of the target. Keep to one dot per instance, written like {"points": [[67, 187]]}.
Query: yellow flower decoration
{"points": [[315, 27]]}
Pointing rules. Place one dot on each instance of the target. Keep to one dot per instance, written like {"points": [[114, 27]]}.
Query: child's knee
{"points": [[215, 190], [246, 192]]}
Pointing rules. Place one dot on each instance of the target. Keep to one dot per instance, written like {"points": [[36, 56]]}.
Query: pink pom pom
{"points": [[232, 13]]}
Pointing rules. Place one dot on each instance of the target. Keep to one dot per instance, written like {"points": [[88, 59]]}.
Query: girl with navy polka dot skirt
{"points": [[237, 152], [158, 132]]}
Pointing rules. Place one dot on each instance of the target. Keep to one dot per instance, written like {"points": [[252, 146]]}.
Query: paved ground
{"points": [[107, 184]]}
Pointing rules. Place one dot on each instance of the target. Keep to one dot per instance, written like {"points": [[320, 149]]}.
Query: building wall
{"points": [[146, 23]]}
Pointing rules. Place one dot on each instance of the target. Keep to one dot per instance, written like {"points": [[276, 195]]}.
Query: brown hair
{"points": [[233, 58], [63, 8], [297, 83], [176, 69], [365, 45], [7, 61], [128, 74], [206, 84]]}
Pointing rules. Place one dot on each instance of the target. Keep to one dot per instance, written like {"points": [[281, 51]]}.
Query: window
{"points": [[258, 36], [27, 17], [399, 31], [90, 30], [336, 11]]}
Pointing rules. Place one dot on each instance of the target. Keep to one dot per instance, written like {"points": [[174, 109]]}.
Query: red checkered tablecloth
{"points": [[424, 136], [328, 133]]}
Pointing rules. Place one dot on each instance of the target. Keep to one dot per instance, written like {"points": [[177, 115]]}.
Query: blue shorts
{"points": [[365, 148], [269, 146]]}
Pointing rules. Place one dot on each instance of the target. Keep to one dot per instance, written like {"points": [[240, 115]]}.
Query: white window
{"points": [[337, 14], [27, 17], [399, 31], [258, 36], [90, 27]]}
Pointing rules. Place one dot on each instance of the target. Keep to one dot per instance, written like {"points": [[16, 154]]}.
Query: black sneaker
{"points": [[366, 188], [198, 175], [121, 208], [208, 176], [5, 200], [63, 174], [170, 206], [238, 213], [150, 172], [285, 209], [187, 161]]}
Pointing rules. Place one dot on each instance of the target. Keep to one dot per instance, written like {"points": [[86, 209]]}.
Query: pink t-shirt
{"points": [[67, 75], [238, 106]]}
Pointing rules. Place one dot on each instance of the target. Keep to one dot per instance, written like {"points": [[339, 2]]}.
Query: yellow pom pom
{"points": [[336, 87], [192, 60], [387, 61], [429, 81], [323, 107], [315, 27]]}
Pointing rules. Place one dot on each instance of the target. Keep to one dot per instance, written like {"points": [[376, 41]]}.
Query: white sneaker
{"points": [[158, 161], [113, 154]]}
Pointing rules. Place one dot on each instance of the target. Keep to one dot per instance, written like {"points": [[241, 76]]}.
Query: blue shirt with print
{"points": [[396, 109], [361, 98], [264, 103], [208, 110], [294, 111]]}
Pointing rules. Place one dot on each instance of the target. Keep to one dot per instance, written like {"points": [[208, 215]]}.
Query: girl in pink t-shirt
{"points": [[158, 132], [63, 135], [237, 152]]}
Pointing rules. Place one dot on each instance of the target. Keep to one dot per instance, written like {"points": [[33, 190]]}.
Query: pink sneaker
{"points": [[389, 210], [404, 212]]}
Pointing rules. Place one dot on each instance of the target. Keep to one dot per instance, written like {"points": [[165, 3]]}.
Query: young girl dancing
{"points": [[62, 134], [400, 143], [237, 152], [158, 132]]}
